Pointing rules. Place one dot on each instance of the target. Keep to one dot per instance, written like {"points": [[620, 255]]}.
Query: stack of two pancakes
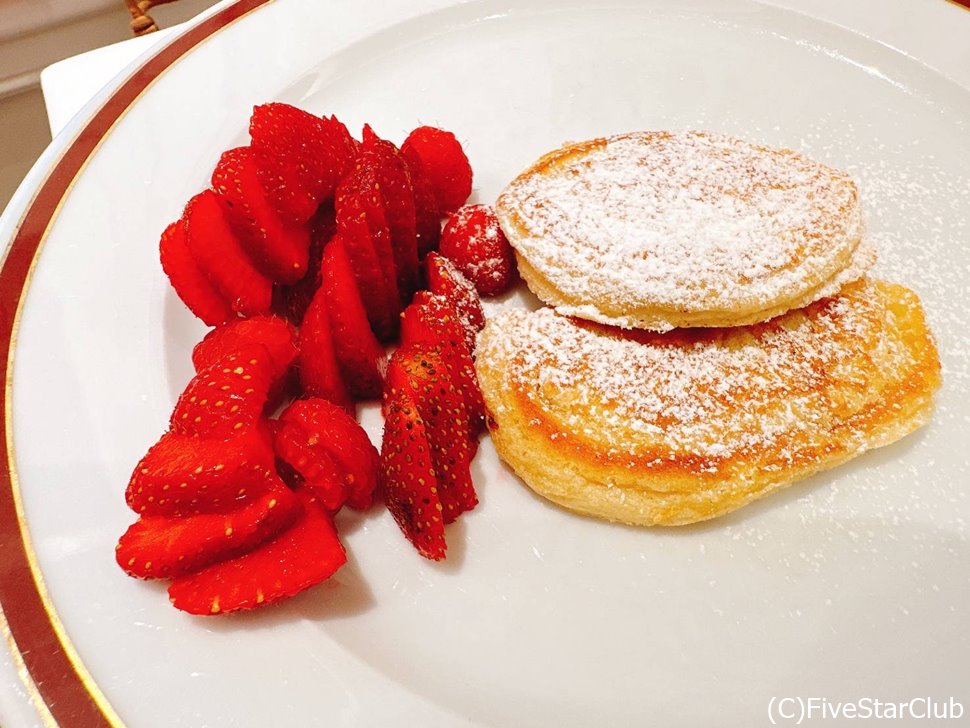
{"points": [[713, 335]]}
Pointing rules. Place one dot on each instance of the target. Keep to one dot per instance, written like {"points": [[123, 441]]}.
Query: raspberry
{"points": [[474, 242]]}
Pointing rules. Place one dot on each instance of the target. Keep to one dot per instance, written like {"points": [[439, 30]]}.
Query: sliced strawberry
{"points": [[368, 273], [287, 473], [432, 320], [370, 255], [189, 282], [312, 465], [327, 427], [397, 195], [182, 475], [446, 280], [295, 299], [301, 157], [340, 131], [273, 332], [302, 556], [426, 211], [445, 164], [474, 242], [155, 547], [278, 248], [319, 370], [421, 371], [360, 355], [220, 256], [408, 477], [226, 398], [276, 334]]}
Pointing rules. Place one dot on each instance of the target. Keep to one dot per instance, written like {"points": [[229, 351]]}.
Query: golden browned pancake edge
{"points": [[670, 429]]}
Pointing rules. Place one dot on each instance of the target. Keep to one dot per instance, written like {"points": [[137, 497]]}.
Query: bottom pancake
{"points": [[669, 429]]}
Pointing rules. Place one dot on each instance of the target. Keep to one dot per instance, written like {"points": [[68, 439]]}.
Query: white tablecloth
{"points": [[69, 84]]}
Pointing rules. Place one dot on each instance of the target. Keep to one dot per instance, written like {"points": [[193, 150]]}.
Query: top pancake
{"points": [[660, 230]]}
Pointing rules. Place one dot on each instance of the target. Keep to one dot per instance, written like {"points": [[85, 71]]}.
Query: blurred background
{"points": [[37, 33]]}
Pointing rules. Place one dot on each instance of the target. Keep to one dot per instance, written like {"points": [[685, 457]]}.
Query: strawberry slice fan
{"points": [[307, 255]]}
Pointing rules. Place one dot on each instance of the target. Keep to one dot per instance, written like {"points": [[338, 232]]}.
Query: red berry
{"points": [[359, 354], [318, 430], [444, 279], [184, 475], [391, 171], [300, 158], [221, 257], [362, 225], [408, 476], [422, 372], [227, 397], [276, 334], [158, 547], [311, 465], [433, 322], [320, 372], [190, 283], [279, 249], [303, 555], [293, 301], [427, 214], [474, 242], [443, 162]]}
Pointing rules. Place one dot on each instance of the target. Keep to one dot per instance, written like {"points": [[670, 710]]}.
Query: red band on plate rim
{"points": [[70, 696]]}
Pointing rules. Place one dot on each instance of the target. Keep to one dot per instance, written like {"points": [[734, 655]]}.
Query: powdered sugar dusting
{"points": [[483, 253], [687, 220], [702, 394]]}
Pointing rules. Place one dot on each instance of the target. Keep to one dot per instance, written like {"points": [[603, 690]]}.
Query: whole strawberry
{"points": [[474, 242]]}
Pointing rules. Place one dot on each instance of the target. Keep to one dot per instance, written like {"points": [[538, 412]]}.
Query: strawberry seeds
{"points": [[309, 253]]}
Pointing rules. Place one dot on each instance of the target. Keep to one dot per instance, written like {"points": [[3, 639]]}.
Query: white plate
{"points": [[849, 585]]}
